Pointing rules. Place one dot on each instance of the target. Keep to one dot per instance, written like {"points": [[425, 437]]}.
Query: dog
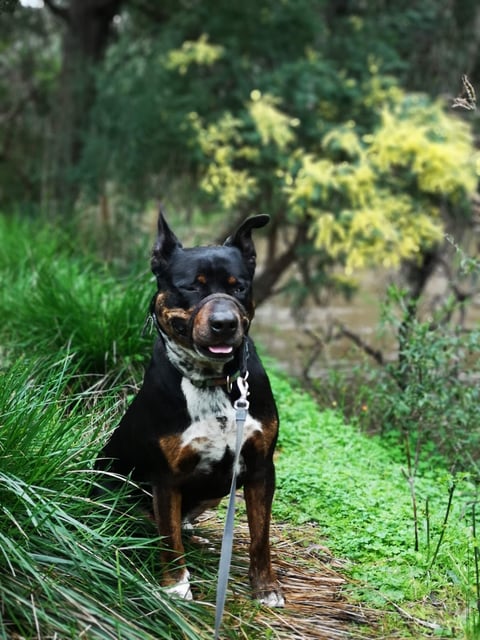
{"points": [[178, 435]]}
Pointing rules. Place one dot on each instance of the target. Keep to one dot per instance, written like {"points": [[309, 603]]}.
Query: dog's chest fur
{"points": [[213, 429]]}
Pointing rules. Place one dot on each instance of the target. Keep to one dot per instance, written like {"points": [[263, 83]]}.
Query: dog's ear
{"points": [[242, 238], [164, 246]]}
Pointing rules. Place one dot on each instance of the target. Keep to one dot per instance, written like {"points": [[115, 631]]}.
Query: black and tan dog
{"points": [[179, 433]]}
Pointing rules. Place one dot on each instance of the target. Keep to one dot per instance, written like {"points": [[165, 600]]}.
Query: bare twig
{"points": [[315, 351], [476, 555], [422, 623], [410, 477], [467, 99], [427, 516], [376, 354]]}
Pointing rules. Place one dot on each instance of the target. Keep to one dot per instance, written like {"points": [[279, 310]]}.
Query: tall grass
{"points": [[70, 566], [51, 296]]}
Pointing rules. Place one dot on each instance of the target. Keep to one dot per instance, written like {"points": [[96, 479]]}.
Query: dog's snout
{"points": [[223, 323], [219, 327]]}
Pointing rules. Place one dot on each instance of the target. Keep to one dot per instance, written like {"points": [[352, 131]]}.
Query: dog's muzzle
{"points": [[214, 328], [219, 324]]}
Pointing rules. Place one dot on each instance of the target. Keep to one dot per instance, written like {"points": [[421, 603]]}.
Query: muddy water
{"points": [[286, 335]]}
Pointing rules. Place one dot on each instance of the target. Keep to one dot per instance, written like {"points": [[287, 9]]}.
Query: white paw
{"points": [[182, 588], [272, 599]]}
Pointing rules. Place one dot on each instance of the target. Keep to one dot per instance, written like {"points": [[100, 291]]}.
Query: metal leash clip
{"points": [[242, 402]]}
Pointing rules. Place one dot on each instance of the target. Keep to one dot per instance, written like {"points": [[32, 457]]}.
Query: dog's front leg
{"points": [[167, 508], [258, 491]]}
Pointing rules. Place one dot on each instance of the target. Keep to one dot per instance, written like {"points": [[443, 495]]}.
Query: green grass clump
{"points": [[53, 297], [71, 566]]}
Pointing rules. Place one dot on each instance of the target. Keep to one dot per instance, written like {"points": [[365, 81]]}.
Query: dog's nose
{"points": [[223, 323]]}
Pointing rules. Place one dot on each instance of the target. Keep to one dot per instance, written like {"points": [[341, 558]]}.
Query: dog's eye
{"points": [[191, 288], [239, 288]]}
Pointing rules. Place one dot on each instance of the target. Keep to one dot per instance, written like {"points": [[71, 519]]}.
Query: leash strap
{"points": [[241, 410]]}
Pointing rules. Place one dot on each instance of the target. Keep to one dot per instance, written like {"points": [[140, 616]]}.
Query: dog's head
{"points": [[204, 302]]}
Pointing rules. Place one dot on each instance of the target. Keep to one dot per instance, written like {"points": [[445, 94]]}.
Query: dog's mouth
{"points": [[220, 349], [216, 351]]}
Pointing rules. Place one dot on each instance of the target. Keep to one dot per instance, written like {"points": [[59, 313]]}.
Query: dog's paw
{"points": [[199, 541], [181, 589], [272, 598]]}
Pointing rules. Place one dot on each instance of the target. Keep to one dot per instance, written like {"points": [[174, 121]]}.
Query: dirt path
{"points": [[315, 606]]}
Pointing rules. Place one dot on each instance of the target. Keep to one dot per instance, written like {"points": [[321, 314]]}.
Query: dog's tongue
{"points": [[221, 348]]}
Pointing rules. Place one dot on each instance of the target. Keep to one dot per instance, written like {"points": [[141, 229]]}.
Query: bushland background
{"points": [[354, 125]]}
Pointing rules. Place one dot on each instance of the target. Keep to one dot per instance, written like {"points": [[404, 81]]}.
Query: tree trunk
{"points": [[277, 265], [87, 25]]}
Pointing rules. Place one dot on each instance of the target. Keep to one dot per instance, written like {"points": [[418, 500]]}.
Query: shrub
{"points": [[429, 395]]}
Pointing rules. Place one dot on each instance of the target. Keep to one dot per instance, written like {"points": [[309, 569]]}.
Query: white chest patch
{"points": [[213, 429]]}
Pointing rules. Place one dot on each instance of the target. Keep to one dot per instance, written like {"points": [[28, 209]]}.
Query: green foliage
{"points": [[352, 486], [317, 58], [377, 201], [29, 67], [370, 198], [54, 298], [199, 52], [300, 109], [429, 394]]}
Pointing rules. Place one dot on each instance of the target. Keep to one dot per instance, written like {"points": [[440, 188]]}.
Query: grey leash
{"points": [[241, 410]]}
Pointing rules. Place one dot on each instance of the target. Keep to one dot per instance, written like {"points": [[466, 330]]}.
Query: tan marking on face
{"points": [[201, 325], [232, 280], [201, 278], [167, 316]]}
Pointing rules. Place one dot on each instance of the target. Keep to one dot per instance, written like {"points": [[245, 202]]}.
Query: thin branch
{"points": [[315, 352], [476, 555], [422, 623], [444, 524], [467, 99], [410, 477], [265, 282], [376, 354]]}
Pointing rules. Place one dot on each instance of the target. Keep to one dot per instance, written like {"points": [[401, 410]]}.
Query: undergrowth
{"points": [[355, 489], [427, 397]]}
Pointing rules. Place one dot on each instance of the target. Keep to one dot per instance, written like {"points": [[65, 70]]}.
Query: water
{"points": [[292, 338]]}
